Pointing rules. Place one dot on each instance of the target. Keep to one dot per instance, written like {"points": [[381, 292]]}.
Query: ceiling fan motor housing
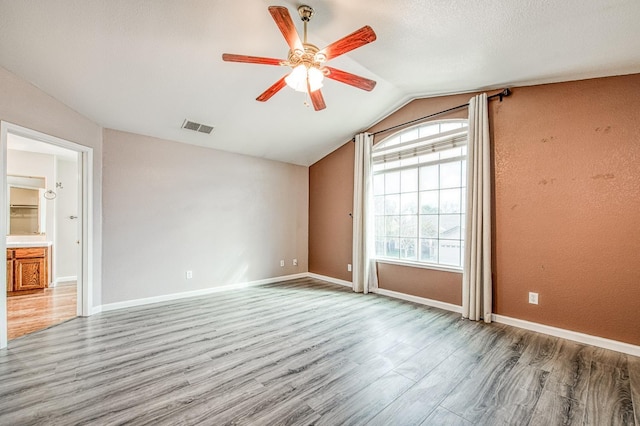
{"points": [[305, 12], [310, 57]]}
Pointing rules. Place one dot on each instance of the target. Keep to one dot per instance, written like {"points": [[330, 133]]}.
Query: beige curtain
{"points": [[476, 277], [364, 267]]}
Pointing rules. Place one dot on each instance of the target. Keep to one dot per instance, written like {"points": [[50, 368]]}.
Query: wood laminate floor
{"points": [[34, 311], [307, 352]]}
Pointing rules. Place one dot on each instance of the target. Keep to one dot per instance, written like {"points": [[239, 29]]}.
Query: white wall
{"points": [[66, 235], [171, 207], [23, 104]]}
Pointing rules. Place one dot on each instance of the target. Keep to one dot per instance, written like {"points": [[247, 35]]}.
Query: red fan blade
{"points": [[346, 44], [275, 88], [230, 57], [316, 98], [350, 79], [285, 24]]}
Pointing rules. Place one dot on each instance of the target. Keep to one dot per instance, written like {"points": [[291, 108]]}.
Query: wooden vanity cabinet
{"points": [[9, 272], [27, 268]]}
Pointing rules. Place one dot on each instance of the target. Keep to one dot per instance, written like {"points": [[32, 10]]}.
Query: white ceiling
{"points": [[145, 65]]}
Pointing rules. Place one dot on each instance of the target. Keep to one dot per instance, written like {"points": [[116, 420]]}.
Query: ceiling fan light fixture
{"points": [[298, 78]]}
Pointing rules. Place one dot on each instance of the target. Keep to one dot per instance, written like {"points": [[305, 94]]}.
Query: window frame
{"points": [[444, 140]]}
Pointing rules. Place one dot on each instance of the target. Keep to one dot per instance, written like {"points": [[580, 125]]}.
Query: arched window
{"points": [[419, 181]]}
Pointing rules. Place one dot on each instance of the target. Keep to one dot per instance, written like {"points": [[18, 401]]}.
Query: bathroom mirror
{"points": [[26, 209]]}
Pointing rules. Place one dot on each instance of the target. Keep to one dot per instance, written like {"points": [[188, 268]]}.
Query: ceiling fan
{"points": [[307, 61]]}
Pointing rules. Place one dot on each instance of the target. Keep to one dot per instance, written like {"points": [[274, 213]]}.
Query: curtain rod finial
{"points": [[505, 92]]}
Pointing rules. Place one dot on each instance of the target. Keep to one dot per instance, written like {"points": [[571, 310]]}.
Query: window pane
{"points": [[450, 201], [450, 153], [450, 226], [429, 202], [408, 249], [392, 183], [420, 211], [463, 166], [380, 221], [427, 158], [445, 127], [380, 246], [392, 226], [409, 226], [430, 129], [429, 226], [429, 250], [392, 204], [429, 177], [392, 247], [378, 167], [409, 203], [390, 142], [378, 205], [463, 200], [450, 175], [391, 164], [409, 180], [449, 252], [378, 184], [409, 161], [409, 135]]}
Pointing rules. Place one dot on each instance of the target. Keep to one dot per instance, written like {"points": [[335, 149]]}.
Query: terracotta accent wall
{"points": [[566, 166], [567, 206], [330, 202], [429, 283]]}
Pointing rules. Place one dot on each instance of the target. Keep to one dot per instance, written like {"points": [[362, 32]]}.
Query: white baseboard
{"points": [[421, 300], [330, 279], [176, 296], [588, 339], [61, 280], [95, 310], [600, 342]]}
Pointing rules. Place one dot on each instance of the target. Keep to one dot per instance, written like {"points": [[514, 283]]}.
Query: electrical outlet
{"points": [[348, 267], [295, 262], [282, 263], [533, 298], [189, 275]]}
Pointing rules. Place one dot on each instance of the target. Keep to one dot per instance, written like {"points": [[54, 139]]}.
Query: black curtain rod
{"points": [[502, 94]]}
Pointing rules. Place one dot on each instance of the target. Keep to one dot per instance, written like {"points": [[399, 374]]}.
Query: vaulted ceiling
{"points": [[146, 65]]}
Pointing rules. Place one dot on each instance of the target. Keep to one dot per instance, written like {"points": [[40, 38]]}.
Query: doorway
{"points": [[60, 237]]}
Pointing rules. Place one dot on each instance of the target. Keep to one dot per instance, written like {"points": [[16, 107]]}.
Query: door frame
{"points": [[85, 218]]}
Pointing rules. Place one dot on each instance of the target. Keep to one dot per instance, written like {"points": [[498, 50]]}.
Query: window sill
{"points": [[419, 265]]}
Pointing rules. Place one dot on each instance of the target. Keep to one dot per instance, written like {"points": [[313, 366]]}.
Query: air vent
{"points": [[192, 125], [205, 129]]}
